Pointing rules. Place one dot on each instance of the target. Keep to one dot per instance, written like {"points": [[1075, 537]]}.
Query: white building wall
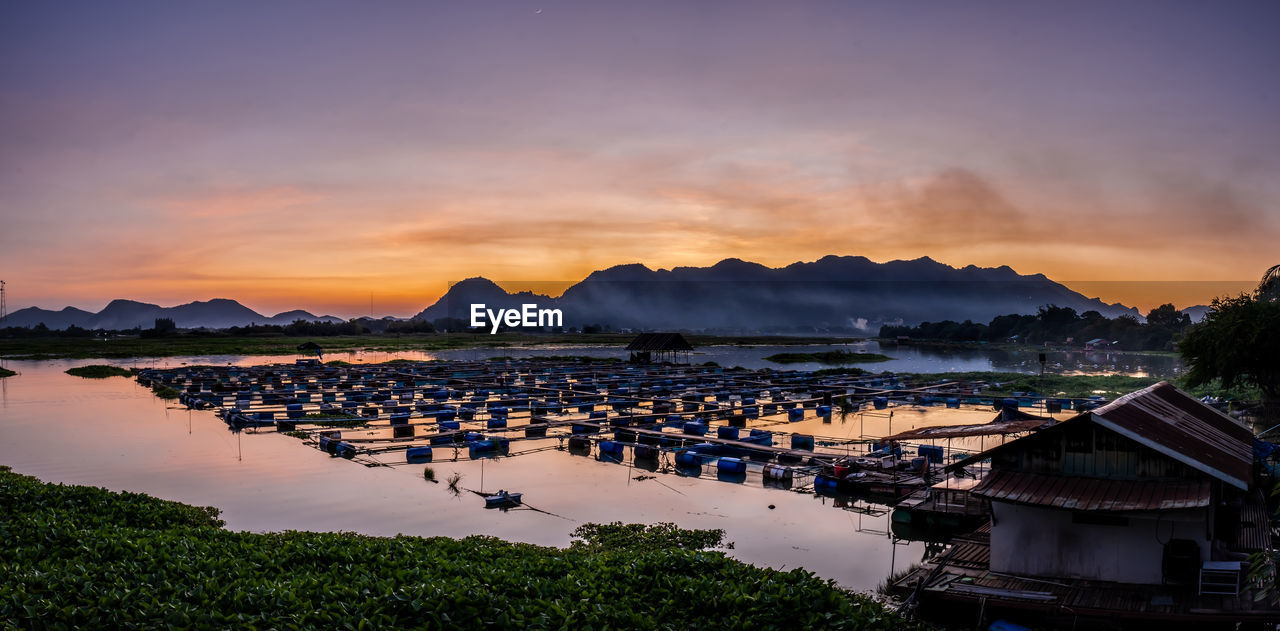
{"points": [[1034, 541]]}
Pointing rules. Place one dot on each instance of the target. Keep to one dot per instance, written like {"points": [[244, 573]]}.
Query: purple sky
{"points": [[309, 154]]}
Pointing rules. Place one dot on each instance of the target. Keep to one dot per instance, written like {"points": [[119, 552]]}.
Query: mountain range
{"points": [[849, 293], [218, 313], [834, 293]]}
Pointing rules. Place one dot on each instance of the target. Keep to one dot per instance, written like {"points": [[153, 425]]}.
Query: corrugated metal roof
{"points": [[1177, 425], [1007, 422], [1092, 494], [1173, 423], [1255, 525], [659, 342]]}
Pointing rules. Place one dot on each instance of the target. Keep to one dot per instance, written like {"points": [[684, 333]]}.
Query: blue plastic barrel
{"points": [[880, 403], [345, 449], [611, 448], [825, 484], [727, 432], [400, 419], [688, 459], [472, 437], [417, 454], [802, 441], [953, 402], [795, 414], [497, 423], [824, 410], [731, 465], [447, 425], [695, 428]]}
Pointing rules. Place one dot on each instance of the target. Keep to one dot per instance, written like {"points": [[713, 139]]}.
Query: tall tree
{"points": [[1238, 342]]}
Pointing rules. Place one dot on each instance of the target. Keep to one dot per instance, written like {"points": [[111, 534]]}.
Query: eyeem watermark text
{"points": [[528, 315]]}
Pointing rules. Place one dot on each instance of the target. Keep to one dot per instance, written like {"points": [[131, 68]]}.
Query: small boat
{"points": [[502, 498]]}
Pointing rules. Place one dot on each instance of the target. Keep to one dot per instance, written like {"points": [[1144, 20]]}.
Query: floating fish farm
{"points": [[685, 420]]}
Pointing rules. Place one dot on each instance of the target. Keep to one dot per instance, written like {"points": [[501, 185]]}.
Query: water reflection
{"points": [[114, 433]]}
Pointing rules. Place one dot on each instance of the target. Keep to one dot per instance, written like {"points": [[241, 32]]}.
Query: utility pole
{"points": [[4, 309]]}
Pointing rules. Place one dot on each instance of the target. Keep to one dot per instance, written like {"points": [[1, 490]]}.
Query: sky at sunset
{"points": [[320, 155]]}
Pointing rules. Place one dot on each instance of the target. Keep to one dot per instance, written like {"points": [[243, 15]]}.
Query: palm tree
{"points": [[1269, 286]]}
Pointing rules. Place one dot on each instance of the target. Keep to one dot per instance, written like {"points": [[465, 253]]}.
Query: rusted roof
{"points": [[1092, 494], [659, 342], [1255, 522], [1007, 422], [1173, 423], [1177, 425]]}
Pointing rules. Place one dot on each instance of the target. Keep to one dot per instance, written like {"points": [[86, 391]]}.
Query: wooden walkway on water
{"points": [[961, 576]]}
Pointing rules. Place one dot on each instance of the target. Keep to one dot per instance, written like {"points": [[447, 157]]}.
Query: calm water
{"points": [[905, 358], [114, 433]]}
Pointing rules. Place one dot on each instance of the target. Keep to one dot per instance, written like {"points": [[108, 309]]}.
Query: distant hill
{"points": [[831, 294], [288, 317], [218, 313], [1197, 312], [32, 316]]}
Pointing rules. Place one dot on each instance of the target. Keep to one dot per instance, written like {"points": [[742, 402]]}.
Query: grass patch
{"points": [[335, 420], [1075, 386], [429, 474], [835, 357], [189, 344], [165, 392], [83, 557], [297, 434], [99, 371], [346, 422]]}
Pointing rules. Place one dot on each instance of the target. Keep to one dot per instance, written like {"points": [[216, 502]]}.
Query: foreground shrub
{"points": [[84, 557]]}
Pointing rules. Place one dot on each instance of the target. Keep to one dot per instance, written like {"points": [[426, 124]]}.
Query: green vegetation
{"points": [[1055, 325], [584, 359], [1076, 386], [827, 357], [53, 344], [298, 435], [81, 557], [99, 371], [336, 421], [5, 372], [165, 392], [429, 474], [663, 536], [1238, 343]]}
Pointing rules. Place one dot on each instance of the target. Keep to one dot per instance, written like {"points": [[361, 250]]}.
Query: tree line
{"points": [[1059, 325]]}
